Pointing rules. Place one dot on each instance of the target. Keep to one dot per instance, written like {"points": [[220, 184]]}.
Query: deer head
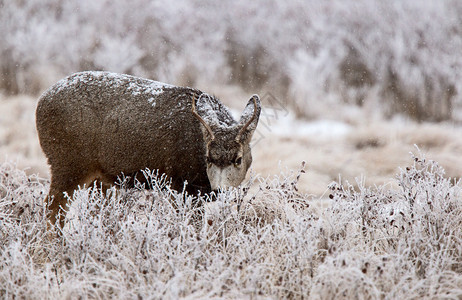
{"points": [[228, 155]]}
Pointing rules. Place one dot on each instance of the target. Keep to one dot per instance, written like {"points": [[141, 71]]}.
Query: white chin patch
{"points": [[223, 178]]}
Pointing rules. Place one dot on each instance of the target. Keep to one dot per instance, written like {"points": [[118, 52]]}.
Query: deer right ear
{"points": [[206, 129], [249, 119]]}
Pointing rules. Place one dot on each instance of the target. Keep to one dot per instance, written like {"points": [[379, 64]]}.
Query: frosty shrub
{"points": [[400, 56], [404, 242], [381, 51], [266, 241]]}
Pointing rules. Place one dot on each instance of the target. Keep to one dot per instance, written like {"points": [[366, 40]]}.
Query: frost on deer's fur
{"points": [[154, 88], [269, 241], [214, 112]]}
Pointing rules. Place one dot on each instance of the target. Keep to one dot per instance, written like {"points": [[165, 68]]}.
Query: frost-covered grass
{"points": [[269, 241], [397, 56]]}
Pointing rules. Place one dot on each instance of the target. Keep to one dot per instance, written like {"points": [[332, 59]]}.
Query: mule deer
{"points": [[98, 125]]}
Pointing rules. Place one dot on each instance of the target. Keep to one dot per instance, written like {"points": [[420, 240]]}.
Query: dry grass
{"points": [[372, 149], [18, 138]]}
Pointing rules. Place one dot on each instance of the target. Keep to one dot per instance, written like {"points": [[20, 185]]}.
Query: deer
{"points": [[94, 126]]}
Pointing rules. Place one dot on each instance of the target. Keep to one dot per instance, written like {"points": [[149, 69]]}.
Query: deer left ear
{"points": [[249, 120], [204, 102]]}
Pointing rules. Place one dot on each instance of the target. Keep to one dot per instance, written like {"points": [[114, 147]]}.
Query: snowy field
{"points": [[355, 189], [293, 234]]}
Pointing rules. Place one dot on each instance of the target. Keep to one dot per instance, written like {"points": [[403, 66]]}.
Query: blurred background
{"points": [[349, 86]]}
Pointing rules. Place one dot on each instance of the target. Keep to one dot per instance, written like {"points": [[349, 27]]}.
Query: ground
{"points": [[352, 148]]}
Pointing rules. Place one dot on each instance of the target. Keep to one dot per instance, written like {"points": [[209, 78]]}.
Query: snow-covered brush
{"points": [[367, 242]]}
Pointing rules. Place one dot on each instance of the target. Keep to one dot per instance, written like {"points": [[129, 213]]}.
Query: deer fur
{"points": [[98, 125]]}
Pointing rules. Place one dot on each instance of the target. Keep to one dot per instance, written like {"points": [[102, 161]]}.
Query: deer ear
{"points": [[249, 119], [203, 111]]}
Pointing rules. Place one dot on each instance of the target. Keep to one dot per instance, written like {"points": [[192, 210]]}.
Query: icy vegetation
{"points": [[349, 86], [387, 56], [272, 241]]}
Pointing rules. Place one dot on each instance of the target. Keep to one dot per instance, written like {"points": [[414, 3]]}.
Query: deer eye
{"points": [[238, 161]]}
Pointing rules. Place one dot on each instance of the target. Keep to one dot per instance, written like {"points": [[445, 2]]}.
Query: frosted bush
{"points": [[264, 241], [381, 50], [393, 56], [415, 231]]}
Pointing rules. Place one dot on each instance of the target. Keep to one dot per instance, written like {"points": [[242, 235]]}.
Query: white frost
{"points": [[122, 81], [155, 88], [213, 112], [152, 101]]}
